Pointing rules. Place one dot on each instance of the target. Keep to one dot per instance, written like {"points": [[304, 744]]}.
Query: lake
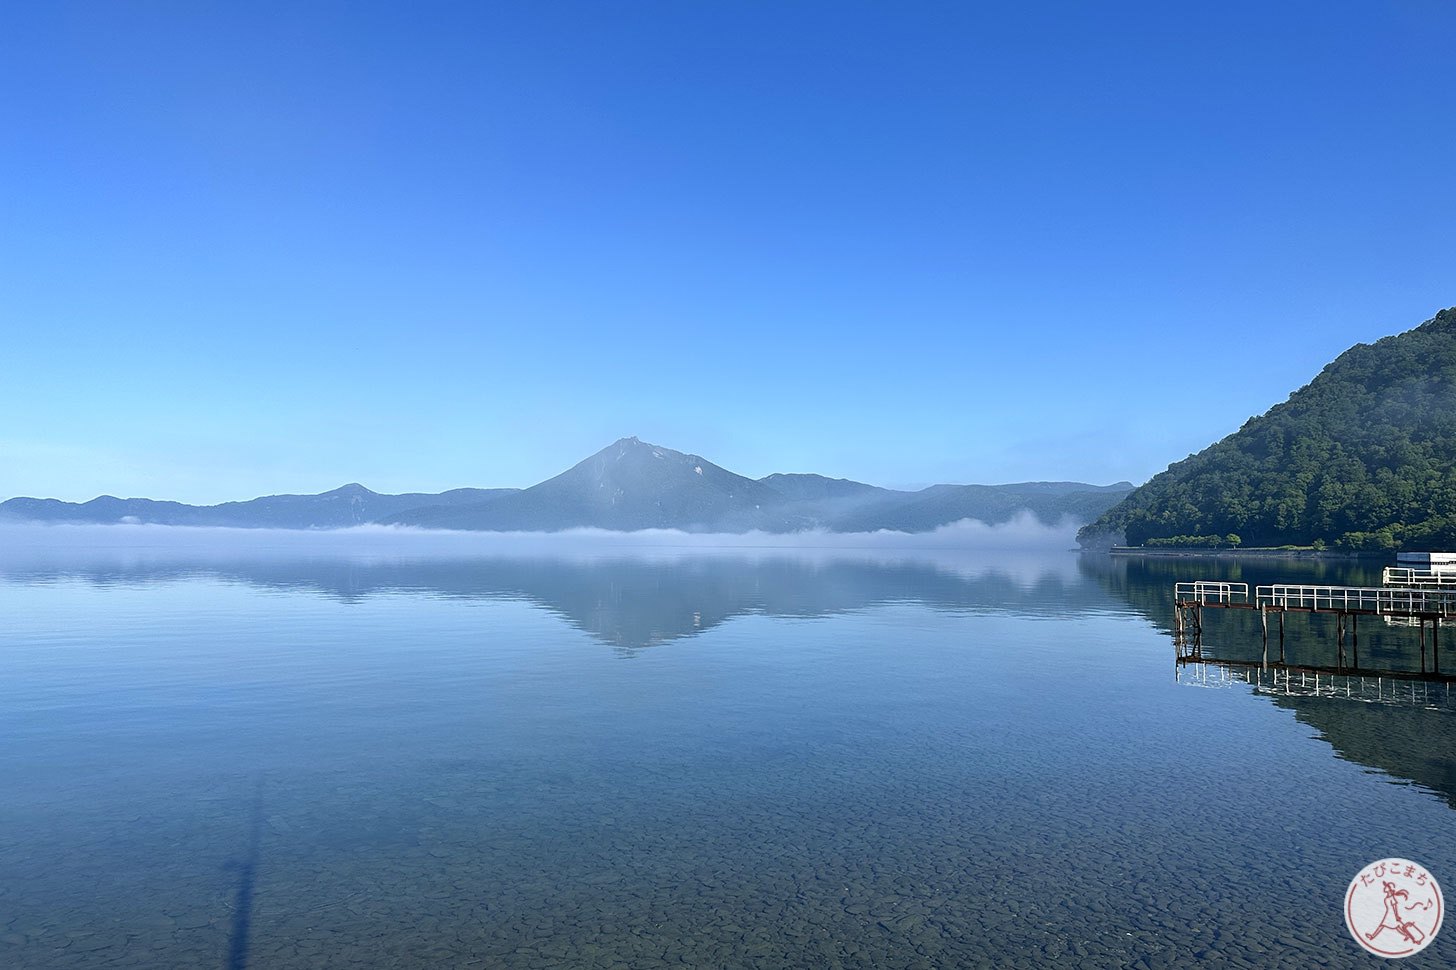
{"points": [[245, 754]]}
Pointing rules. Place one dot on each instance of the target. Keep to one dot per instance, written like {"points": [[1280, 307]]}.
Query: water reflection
{"points": [[853, 758], [1409, 733], [630, 602]]}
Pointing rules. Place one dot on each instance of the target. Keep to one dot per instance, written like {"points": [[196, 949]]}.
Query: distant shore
{"points": [[1254, 553]]}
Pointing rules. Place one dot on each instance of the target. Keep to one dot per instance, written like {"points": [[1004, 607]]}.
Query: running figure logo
{"points": [[1394, 908]]}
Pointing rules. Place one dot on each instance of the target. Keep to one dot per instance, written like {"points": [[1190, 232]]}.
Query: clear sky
{"points": [[254, 247]]}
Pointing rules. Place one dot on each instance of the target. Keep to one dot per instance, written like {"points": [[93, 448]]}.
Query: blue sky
{"points": [[254, 248]]}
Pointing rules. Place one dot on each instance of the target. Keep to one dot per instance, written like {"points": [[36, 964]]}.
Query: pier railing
{"points": [[1209, 591], [1419, 606], [1422, 578], [1366, 599]]}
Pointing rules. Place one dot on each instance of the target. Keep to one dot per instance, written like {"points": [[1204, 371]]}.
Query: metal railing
{"points": [[1209, 591], [1372, 599], [1409, 577]]}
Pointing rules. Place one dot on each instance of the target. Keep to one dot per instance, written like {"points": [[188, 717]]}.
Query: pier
{"points": [[1423, 598]]}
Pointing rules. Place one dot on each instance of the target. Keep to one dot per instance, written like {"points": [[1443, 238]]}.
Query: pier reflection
{"points": [[1386, 715], [1285, 682]]}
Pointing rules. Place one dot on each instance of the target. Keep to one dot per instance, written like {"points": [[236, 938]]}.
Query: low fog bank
{"points": [[1022, 532], [1023, 548]]}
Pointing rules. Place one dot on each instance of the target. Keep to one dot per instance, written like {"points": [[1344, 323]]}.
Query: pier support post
{"points": [[1421, 621], [1340, 641], [1436, 644], [1264, 622], [1281, 636], [1355, 637]]}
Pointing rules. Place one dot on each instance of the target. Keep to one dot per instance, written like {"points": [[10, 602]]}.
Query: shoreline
{"points": [[1256, 553]]}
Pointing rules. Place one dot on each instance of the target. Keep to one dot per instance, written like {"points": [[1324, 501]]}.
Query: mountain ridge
{"points": [[337, 508], [1363, 457], [629, 485]]}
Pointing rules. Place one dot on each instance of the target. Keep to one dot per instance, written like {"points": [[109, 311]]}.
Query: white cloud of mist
{"points": [[1021, 533], [1023, 548]]}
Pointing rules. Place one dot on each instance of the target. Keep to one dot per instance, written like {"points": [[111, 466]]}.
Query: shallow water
{"points": [[261, 759]]}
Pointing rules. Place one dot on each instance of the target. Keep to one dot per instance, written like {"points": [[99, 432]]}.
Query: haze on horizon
{"points": [[276, 248]]}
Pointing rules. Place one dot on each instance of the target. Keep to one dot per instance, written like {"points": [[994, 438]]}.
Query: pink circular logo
{"points": [[1393, 908]]}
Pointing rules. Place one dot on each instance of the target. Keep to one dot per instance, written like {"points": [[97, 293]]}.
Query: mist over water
{"points": [[1024, 531], [1023, 548]]}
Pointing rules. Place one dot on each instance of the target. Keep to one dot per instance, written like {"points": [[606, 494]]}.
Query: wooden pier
{"points": [[1421, 600]]}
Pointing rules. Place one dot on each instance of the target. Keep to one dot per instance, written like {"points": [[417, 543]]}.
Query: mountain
{"points": [[824, 503], [1050, 502], [345, 506], [817, 488], [351, 504], [1362, 457], [634, 485], [628, 485], [1066, 488]]}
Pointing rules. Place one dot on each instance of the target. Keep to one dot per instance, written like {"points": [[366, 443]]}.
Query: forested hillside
{"points": [[1363, 457]]}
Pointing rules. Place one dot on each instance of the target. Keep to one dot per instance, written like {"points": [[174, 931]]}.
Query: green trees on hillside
{"points": [[1363, 457]]}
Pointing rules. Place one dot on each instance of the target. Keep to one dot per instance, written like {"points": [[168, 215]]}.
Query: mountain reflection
{"points": [[628, 601], [1411, 739], [644, 598]]}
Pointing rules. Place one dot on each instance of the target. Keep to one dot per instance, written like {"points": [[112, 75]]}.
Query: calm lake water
{"points": [[275, 757]]}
